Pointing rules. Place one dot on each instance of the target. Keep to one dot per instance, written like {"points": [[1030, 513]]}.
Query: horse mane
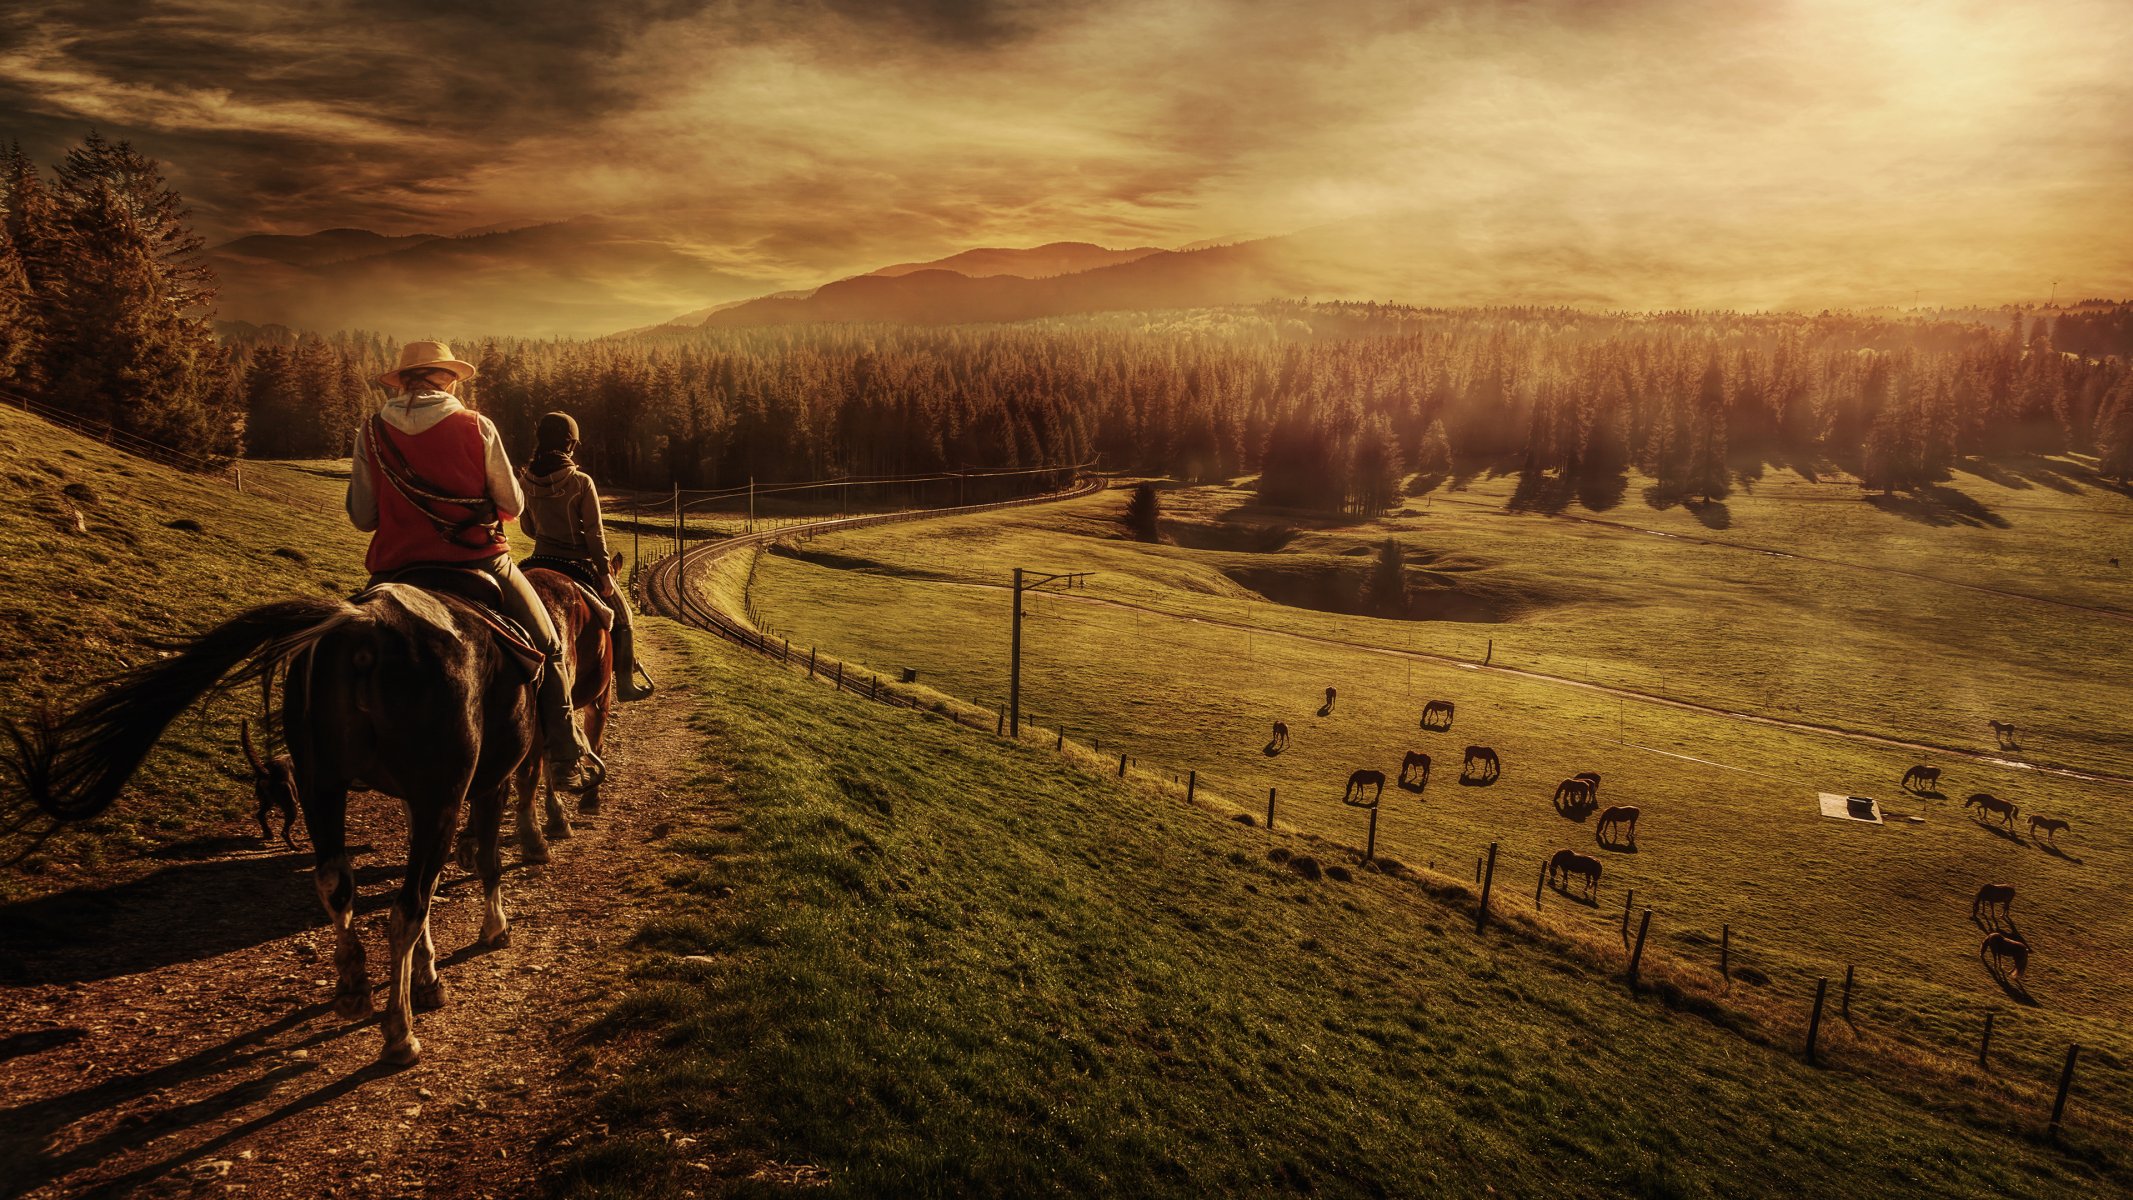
{"points": [[73, 767]]}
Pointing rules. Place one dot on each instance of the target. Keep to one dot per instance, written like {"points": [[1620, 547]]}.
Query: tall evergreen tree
{"points": [[1144, 513], [18, 335], [1385, 592], [1707, 470]]}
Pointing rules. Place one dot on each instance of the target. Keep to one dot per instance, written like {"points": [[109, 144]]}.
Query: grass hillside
{"points": [[1166, 655], [930, 962], [102, 555]]}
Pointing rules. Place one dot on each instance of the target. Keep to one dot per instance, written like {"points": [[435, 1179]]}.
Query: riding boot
{"points": [[572, 765], [626, 668]]}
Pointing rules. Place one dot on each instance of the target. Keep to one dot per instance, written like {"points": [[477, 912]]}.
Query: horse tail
{"points": [[73, 767]]}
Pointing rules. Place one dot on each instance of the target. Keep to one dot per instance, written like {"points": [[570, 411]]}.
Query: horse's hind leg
{"points": [[326, 815], [429, 833], [488, 819], [532, 843], [595, 733]]}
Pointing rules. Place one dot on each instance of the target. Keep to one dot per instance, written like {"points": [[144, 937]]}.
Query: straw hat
{"points": [[426, 354]]}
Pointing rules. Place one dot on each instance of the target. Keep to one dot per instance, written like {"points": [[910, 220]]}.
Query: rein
{"points": [[423, 495]]}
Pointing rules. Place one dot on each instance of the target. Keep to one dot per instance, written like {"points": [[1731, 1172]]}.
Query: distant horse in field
{"points": [[1921, 779], [1437, 716], [2004, 731], [1326, 709], [1481, 767], [1616, 819], [402, 689], [1999, 951], [1374, 780], [273, 786], [1994, 902], [1280, 740], [1574, 797], [1414, 771], [1591, 777], [2052, 827], [1566, 863], [1990, 806]]}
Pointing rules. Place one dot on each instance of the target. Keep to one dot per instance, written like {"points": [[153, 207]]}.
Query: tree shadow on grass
{"points": [[1935, 504], [1711, 514]]}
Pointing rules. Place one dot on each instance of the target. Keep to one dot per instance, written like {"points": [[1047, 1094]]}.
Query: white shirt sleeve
{"points": [[503, 482], [362, 496]]}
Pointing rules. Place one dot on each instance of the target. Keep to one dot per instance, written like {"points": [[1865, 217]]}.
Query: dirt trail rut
{"points": [[172, 1034]]}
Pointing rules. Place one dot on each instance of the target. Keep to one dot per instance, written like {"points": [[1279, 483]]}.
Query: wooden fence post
{"points": [[1725, 953], [1627, 901], [1539, 883], [1370, 847], [999, 722], [876, 695], [1477, 868], [1846, 1007], [1814, 1021], [1636, 956], [2066, 1080], [810, 662], [840, 675], [1270, 808], [1121, 766], [1481, 918], [1192, 785], [1062, 739], [1984, 1045]]}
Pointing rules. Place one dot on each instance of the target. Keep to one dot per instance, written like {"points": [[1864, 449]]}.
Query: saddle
{"points": [[479, 589], [597, 586]]}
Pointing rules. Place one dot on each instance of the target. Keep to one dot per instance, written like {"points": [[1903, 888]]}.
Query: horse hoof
{"points": [[558, 831], [497, 941], [402, 1054], [536, 855], [352, 1004], [429, 997], [589, 803]]}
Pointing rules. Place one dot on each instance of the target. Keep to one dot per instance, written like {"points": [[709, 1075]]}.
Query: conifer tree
{"points": [[1386, 590], [1707, 473], [1143, 513], [18, 339]]}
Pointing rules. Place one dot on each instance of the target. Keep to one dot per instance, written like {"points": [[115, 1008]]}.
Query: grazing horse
{"points": [[399, 690], [1993, 896], [1921, 778], [1374, 780], [2001, 948], [2005, 732], [1574, 795], [1280, 741], [2052, 827], [1565, 863], [1409, 777], [1437, 716], [1326, 709], [583, 635], [1615, 818], [1990, 806], [273, 786], [1481, 766]]}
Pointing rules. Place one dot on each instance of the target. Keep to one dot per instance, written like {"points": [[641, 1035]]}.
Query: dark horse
{"points": [[401, 691]]}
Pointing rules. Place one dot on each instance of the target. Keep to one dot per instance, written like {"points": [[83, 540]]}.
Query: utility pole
{"points": [[751, 504], [1014, 658]]}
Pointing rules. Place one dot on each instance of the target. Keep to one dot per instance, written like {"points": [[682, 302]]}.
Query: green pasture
{"points": [[1166, 657], [916, 960]]}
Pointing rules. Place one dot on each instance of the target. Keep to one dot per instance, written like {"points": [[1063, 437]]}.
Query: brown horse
{"points": [[1326, 709], [1574, 796], [583, 630], [1921, 779], [1353, 797], [1565, 863], [402, 690], [1615, 818], [2000, 949], [1991, 897], [1280, 740], [1414, 771], [1990, 806], [2052, 827], [2004, 733], [1481, 766], [1437, 716]]}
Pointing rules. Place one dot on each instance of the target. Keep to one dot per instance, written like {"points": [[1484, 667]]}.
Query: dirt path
{"points": [[171, 1034]]}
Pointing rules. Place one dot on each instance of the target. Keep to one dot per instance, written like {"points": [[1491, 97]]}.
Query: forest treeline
{"points": [[104, 312]]}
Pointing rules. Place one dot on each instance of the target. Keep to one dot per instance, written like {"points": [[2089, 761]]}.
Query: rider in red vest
{"points": [[432, 486]]}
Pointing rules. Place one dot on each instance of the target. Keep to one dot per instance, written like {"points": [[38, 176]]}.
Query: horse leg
{"points": [[488, 819], [532, 843], [326, 815], [429, 831]]}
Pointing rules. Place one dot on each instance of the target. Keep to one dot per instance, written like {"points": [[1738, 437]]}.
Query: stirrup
{"points": [[582, 775]]}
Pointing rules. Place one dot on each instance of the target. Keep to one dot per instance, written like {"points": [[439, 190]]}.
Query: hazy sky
{"points": [[1977, 151]]}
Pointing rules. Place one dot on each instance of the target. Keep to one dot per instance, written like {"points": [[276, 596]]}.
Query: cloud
{"points": [[1739, 153]]}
